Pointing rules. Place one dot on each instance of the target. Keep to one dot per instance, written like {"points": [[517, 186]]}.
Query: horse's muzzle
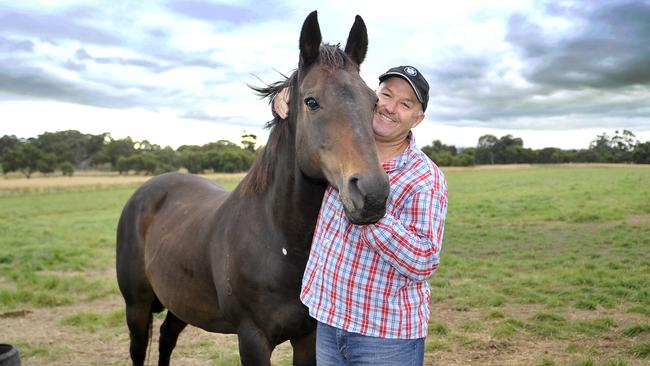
{"points": [[367, 196]]}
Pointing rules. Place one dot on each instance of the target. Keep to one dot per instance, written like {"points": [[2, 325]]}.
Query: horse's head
{"points": [[333, 109]]}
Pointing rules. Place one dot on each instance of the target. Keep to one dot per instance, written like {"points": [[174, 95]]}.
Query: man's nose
{"points": [[390, 107]]}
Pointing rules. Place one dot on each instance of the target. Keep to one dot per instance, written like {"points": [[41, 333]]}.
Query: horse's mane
{"points": [[261, 173]]}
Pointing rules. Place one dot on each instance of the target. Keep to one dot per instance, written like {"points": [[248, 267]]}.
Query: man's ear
{"points": [[419, 119]]}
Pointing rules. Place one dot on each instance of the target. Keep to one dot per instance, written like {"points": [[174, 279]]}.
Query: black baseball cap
{"points": [[414, 77]]}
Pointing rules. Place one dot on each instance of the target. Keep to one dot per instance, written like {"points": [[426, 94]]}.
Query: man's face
{"points": [[398, 110]]}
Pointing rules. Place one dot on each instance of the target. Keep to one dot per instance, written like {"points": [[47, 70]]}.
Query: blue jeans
{"points": [[336, 347]]}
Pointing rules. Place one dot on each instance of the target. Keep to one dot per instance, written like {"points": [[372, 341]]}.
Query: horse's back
{"points": [[162, 191], [184, 186], [163, 238]]}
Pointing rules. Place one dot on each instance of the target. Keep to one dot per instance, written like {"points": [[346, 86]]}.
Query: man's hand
{"points": [[281, 103]]}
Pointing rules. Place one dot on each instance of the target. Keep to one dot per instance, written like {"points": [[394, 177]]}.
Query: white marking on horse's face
{"points": [[284, 251]]}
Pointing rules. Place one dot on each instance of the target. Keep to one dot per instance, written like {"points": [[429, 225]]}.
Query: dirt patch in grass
{"points": [[482, 347], [638, 220], [42, 339]]}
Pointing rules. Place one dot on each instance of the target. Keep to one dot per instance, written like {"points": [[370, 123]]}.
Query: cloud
{"points": [[35, 83], [83, 55], [214, 12], [608, 48], [561, 67], [237, 15], [512, 65], [55, 26], [12, 45]]}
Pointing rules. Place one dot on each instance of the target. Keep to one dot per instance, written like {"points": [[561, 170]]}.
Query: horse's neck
{"points": [[294, 201]]}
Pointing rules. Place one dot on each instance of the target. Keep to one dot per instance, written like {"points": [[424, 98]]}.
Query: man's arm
{"points": [[412, 242], [280, 105]]}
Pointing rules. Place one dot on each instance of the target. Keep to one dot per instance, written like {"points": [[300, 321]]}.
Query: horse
{"points": [[232, 262]]}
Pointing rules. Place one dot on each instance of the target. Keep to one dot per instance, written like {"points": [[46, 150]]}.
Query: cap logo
{"points": [[411, 71]]}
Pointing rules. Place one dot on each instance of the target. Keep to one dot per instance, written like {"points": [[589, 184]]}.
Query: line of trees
{"points": [[71, 150], [622, 147]]}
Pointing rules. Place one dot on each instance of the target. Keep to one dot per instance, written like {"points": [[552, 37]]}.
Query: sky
{"points": [[555, 73]]}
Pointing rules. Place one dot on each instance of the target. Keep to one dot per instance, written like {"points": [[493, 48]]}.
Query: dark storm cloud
{"points": [[26, 70], [611, 48], [35, 83], [466, 69], [594, 73]]}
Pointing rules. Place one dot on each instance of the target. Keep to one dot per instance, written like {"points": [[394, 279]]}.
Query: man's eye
{"points": [[311, 103]]}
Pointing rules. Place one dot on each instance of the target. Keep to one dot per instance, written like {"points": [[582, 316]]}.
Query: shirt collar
{"points": [[400, 160]]}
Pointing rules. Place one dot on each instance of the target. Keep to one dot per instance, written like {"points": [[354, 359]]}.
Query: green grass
{"points": [[438, 328], [93, 322], [43, 351], [567, 239], [558, 240], [56, 247], [640, 350], [636, 329], [516, 237]]}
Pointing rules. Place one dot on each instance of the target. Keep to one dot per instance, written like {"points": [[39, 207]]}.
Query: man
{"points": [[367, 285]]}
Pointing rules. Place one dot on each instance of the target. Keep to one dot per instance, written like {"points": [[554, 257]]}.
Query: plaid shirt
{"points": [[372, 279]]}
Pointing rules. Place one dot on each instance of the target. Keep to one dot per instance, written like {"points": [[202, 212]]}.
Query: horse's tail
{"points": [[137, 215], [141, 301]]}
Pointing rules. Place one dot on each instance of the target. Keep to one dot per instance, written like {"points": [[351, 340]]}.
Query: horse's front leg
{"points": [[304, 350], [254, 347]]}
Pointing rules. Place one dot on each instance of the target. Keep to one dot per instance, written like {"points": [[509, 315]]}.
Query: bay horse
{"points": [[233, 262]]}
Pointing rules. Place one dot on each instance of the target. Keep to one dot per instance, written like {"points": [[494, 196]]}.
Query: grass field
{"points": [[541, 265]]}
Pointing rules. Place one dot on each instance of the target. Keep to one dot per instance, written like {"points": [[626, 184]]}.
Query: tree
{"points": [[8, 143], [114, 149], [11, 161], [47, 163], [624, 141], [443, 155], [24, 157], [586, 156], [72, 146], [192, 161], [549, 155], [641, 153], [617, 149], [67, 169], [485, 149], [123, 165], [249, 141], [466, 157], [168, 160], [443, 158]]}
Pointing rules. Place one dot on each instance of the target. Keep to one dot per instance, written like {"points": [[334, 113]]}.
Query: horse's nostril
{"points": [[356, 195]]}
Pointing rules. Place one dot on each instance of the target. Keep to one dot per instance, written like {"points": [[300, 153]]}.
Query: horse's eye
{"points": [[311, 103]]}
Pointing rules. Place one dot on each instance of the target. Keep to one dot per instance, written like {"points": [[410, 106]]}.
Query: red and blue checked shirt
{"points": [[372, 279]]}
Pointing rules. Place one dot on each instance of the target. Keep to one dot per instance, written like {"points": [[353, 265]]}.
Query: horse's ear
{"points": [[357, 44], [310, 39]]}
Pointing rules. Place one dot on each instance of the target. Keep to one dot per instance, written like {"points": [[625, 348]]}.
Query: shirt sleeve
{"points": [[411, 243]]}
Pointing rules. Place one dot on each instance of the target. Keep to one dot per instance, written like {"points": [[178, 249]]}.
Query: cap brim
{"points": [[393, 73]]}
